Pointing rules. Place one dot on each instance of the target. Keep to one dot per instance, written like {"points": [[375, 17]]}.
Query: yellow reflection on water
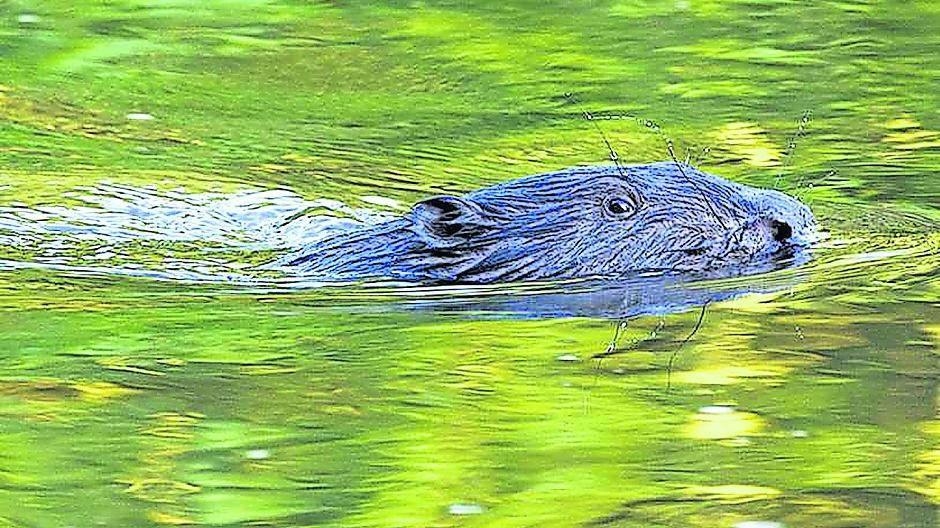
{"points": [[723, 425], [748, 142]]}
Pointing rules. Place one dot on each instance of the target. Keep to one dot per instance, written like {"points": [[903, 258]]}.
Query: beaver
{"points": [[607, 222]]}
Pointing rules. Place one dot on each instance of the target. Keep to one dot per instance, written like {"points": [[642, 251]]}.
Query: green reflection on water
{"points": [[128, 403]]}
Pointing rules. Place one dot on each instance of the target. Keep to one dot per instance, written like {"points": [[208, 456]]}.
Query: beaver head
{"points": [[599, 222]]}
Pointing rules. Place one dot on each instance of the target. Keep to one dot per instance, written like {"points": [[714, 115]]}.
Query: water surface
{"points": [[153, 154]]}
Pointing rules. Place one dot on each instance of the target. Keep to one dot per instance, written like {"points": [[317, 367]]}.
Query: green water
{"points": [[134, 402]]}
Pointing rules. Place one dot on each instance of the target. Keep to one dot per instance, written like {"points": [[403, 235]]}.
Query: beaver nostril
{"points": [[781, 231]]}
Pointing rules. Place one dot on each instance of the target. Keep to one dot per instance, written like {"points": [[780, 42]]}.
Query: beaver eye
{"points": [[619, 206]]}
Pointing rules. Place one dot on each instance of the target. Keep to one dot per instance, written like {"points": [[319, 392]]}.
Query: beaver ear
{"points": [[445, 221]]}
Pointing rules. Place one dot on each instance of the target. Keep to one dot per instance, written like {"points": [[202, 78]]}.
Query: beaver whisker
{"points": [[590, 117], [791, 148], [801, 193], [708, 203], [675, 353], [738, 234]]}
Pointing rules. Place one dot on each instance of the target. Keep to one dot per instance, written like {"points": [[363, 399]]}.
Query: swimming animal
{"points": [[582, 222]]}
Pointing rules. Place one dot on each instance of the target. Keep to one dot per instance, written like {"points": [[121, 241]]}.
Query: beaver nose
{"points": [[784, 219], [780, 230]]}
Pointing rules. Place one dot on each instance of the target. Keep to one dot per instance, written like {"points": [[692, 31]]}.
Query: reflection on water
{"points": [[191, 142]]}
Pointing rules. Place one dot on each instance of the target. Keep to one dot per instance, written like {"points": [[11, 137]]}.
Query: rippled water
{"points": [[155, 155]]}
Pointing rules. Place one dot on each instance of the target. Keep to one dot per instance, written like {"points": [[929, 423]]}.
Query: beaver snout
{"points": [[787, 221]]}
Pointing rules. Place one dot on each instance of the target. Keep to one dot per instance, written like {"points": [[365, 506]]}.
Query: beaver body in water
{"points": [[597, 221]]}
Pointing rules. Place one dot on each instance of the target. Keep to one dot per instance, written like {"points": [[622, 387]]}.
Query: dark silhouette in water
{"points": [[602, 222]]}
